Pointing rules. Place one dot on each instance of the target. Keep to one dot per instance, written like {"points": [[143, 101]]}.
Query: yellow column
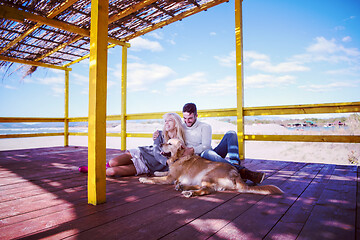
{"points": [[239, 77], [123, 98], [66, 115], [97, 102]]}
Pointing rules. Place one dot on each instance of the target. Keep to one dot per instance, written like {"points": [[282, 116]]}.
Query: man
{"points": [[198, 140]]}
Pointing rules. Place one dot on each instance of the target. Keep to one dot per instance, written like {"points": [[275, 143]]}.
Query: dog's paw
{"points": [[187, 194], [178, 187], [143, 180]]}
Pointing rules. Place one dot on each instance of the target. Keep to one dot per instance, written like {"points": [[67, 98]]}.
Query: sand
{"points": [[330, 153]]}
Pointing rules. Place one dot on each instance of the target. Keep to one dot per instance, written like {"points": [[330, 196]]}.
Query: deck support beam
{"points": [[66, 111], [239, 77], [97, 102], [123, 98]]}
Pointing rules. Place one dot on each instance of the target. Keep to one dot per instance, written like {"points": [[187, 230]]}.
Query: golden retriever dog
{"points": [[196, 176]]}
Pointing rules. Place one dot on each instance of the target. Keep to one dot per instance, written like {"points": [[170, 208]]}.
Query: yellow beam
{"points": [[97, 102], [66, 111], [123, 98], [78, 134], [88, 55], [304, 109], [30, 119], [78, 119], [174, 19], [33, 63], [130, 10], [283, 138], [305, 138], [239, 77]]}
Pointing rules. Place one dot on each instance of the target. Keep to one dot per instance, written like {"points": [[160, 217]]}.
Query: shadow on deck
{"points": [[44, 196]]}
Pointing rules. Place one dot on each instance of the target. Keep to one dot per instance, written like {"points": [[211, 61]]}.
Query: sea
{"points": [[39, 127]]}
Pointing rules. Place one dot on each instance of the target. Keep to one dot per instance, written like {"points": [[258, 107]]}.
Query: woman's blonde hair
{"points": [[180, 133]]}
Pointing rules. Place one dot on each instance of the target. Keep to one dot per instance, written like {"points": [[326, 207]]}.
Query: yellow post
{"points": [[123, 98], [97, 102], [239, 77], [66, 115]]}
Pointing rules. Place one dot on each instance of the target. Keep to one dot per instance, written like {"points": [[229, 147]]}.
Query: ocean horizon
{"points": [[39, 127]]}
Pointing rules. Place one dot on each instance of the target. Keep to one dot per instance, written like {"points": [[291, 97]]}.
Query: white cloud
{"points": [[327, 87], [79, 79], [156, 35], [266, 66], [346, 39], [212, 33], [263, 80], [192, 80], [252, 55], [172, 42], [140, 76], [184, 57], [350, 18], [10, 87], [51, 80], [227, 61], [199, 84], [324, 46], [324, 50], [139, 44], [352, 70], [262, 62], [58, 91], [225, 86]]}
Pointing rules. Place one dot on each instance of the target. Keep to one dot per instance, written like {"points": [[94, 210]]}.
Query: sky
{"points": [[295, 52]]}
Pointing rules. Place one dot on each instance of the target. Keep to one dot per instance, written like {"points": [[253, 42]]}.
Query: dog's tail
{"points": [[264, 190]]}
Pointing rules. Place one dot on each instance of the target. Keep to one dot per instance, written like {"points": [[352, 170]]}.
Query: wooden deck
{"points": [[44, 196]]}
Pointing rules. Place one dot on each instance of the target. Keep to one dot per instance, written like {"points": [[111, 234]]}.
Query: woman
{"points": [[147, 159]]}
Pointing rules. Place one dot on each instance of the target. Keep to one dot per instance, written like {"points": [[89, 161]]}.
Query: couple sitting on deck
{"points": [[197, 138]]}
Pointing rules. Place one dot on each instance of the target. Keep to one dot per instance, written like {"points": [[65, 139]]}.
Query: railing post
{"points": [[97, 102], [66, 112], [239, 77], [123, 97]]}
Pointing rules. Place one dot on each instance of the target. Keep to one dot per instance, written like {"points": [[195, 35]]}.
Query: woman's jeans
{"points": [[228, 145]]}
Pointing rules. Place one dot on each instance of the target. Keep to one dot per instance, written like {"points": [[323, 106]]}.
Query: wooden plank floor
{"points": [[42, 195]]}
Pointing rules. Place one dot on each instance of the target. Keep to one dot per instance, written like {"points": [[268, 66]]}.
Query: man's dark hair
{"points": [[190, 108]]}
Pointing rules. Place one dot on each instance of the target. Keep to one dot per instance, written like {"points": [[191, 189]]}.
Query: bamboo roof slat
{"points": [[56, 32]]}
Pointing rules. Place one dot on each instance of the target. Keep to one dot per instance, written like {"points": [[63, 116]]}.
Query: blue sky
{"points": [[295, 52]]}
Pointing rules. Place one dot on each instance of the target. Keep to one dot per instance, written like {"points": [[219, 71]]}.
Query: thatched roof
{"points": [[56, 32]]}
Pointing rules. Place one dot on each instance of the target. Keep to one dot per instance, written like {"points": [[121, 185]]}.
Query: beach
{"points": [[330, 153]]}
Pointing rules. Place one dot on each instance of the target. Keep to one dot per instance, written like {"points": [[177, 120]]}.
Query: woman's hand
{"points": [[156, 134]]}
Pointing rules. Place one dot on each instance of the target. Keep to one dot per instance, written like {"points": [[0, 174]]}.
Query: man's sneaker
{"points": [[255, 177]]}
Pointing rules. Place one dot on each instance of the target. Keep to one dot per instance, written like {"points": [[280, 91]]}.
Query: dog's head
{"points": [[174, 147]]}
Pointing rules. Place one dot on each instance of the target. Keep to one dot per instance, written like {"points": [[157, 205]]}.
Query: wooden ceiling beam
{"points": [[62, 7], [19, 16], [33, 63]]}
